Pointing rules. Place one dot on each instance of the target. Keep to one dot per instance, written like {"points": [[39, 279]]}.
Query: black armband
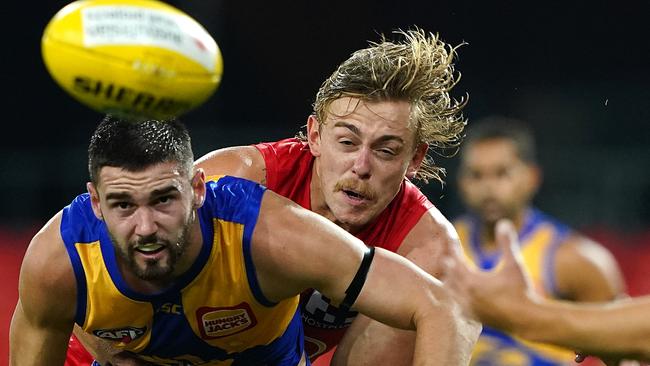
{"points": [[356, 285]]}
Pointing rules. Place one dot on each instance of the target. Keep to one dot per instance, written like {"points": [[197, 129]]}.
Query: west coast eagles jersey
{"points": [[214, 314], [540, 238]]}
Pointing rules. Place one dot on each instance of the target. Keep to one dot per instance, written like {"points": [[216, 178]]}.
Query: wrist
{"points": [[532, 320]]}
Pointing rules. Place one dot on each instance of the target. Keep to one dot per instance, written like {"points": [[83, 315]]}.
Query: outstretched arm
{"points": [[295, 249], [503, 299], [44, 315], [369, 342]]}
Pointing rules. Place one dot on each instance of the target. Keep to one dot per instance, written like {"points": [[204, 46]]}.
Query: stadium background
{"points": [[577, 71]]}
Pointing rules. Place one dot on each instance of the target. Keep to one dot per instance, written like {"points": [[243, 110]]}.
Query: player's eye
{"points": [[164, 199], [387, 152], [475, 175], [503, 172], [122, 205]]}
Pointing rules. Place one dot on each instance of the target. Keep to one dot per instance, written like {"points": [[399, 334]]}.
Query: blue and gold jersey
{"points": [[540, 237], [215, 314]]}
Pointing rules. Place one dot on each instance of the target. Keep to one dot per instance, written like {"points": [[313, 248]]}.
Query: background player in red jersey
{"points": [[374, 120]]}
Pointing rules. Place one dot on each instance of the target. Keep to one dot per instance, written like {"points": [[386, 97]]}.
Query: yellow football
{"points": [[136, 58]]}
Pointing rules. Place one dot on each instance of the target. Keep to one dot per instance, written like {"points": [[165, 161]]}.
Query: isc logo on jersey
{"points": [[124, 335], [222, 322]]}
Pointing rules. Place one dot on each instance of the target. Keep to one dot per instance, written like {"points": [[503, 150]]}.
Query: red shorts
{"points": [[77, 354]]}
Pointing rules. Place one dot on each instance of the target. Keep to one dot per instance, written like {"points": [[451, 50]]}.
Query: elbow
{"points": [[455, 332], [444, 312]]}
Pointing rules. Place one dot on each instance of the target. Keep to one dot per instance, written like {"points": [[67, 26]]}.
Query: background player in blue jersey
{"points": [[180, 272], [504, 298], [497, 179]]}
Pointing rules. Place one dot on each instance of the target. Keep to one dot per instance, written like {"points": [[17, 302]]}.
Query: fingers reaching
{"points": [[506, 236]]}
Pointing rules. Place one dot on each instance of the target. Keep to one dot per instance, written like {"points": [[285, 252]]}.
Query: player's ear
{"points": [[416, 160], [198, 188], [313, 135], [94, 200]]}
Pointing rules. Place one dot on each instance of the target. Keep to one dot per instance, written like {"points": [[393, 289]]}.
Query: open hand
{"points": [[490, 296]]}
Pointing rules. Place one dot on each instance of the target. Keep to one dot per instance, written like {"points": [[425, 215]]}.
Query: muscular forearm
{"points": [[369, 342], [415, 300], [445, 337], [619, 328], [25, 351], [35, 344], [35, 351]]}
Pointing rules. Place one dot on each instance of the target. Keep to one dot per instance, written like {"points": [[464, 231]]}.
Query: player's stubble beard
{"points": [[154, 270], [492, 210]]}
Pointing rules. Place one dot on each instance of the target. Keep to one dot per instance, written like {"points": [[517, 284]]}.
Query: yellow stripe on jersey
{"points": [[218, 308], [538, 244], [211, 314], [108, 304]]}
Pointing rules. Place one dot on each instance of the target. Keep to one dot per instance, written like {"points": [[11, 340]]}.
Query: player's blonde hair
{"points": [[419, 69]]}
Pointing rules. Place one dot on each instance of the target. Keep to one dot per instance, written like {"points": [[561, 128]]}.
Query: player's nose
{"points": [[362, 166], [145, 223]]}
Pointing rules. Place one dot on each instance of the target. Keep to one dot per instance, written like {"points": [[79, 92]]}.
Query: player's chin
{"points": [[355, 217], [154, 271], [491, 215]]}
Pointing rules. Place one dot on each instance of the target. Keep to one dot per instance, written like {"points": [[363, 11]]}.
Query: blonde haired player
{"points": [[374, 120]]}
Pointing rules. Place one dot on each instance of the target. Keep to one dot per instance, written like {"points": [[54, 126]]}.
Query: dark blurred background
{"points": [[576, 71]]}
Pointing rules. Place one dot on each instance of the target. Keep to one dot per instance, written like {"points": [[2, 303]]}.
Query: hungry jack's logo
{"points": [[224, 321]]}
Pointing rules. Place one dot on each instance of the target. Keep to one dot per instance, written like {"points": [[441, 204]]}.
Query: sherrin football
{"points": [[136, 58]]}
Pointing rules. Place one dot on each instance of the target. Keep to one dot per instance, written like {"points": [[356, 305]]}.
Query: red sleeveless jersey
{"points": [[288, 173]]}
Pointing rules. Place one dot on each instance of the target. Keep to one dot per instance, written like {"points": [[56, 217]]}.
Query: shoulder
{"points": [[289, 146], [233, 198], [584, 267], [432, 237], [578, 250], [433, 224], [46, 273], [241, 161], [47, 254]]}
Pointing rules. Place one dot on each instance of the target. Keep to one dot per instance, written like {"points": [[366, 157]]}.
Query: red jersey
{"points": [[288, 173]]}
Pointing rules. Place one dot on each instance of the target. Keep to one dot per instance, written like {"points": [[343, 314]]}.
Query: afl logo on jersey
{"points": [[124, 335], [222, 322]]}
